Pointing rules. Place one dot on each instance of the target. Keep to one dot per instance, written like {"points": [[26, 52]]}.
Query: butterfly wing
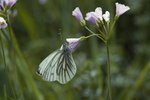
{"points": [[44, 64], [66, 68], [58, 66]]}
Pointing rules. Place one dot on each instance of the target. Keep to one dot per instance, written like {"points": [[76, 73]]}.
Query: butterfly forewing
{"points": [[50, 71], [45, 63], [58, 66]]}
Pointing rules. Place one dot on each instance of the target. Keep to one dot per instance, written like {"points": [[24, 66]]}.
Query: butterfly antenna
{"points": [[60, 36]]}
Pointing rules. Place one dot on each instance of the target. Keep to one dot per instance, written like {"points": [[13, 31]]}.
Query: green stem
{"points": [[89, 30], [102, 34], [86, 37], [21, 58], [98, 35], [6, 68], [3, 53], [5, 35], [112, 26], [108, 72]]}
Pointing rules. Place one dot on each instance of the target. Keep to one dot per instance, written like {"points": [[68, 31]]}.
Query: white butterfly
{"points": [[59, 65]]}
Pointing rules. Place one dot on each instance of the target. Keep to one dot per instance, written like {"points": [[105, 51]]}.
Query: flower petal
{"points": [[121, 9], [91, 17], [10, 3], [98, 12], [106, 16]]}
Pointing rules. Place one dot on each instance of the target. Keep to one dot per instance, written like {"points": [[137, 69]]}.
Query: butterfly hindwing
{"points": [[66, 68]]}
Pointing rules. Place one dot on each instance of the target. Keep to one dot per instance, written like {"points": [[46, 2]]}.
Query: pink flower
{"points": [[77, 14], [120, 9], [7, 3], [10, 3], [94, 17], [91, 17], [73, 43]]}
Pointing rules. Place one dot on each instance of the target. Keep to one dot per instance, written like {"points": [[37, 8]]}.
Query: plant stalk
{"points": [[108, 72]]}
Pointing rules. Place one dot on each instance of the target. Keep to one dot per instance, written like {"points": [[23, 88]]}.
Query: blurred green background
{"points": [[41, 27]]}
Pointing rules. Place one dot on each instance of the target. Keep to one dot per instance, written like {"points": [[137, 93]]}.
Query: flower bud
{"points": [[73, 43], [78, 15], [106, 16]]}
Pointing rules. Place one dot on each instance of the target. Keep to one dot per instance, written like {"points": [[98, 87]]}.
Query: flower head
{"points": [[3, 23], [106, 16], [120, 9], [91, 17], [94, 17], [7, 3], [10, 3], [73, 43], [78, 15], [1, 4]]}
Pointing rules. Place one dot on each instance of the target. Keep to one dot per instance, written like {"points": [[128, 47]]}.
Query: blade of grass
{"points": [[139, 82]]}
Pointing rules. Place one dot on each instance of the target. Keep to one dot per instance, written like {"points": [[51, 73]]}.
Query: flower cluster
{"points": [[5, 5], [97, 16], [100, 20]]}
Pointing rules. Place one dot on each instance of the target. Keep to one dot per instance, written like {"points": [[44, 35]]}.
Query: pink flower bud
{"points": [[77, 14], [73, 43]]}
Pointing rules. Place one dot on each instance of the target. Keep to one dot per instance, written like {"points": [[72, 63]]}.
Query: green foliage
{"points": [[40, 29]]}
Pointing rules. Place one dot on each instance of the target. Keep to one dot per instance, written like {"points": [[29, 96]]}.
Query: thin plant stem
{"points": [[89, 30], [108, 72], [5, 64], [85, 37], [22, 59], [3, 53], [98, 35], [112, 27]]}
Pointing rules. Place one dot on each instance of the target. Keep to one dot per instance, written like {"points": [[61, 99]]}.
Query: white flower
{"points": [[3, 23], [121, 8], [106, 16], [73, 43], [98, 12]]}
